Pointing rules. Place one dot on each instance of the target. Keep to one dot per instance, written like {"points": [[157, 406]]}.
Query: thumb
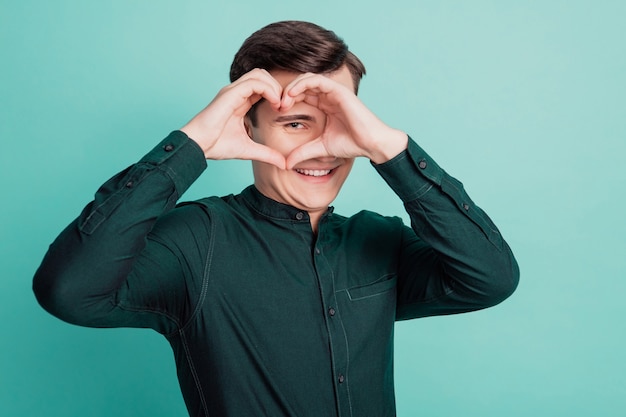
{"points": [[309, 150], [258, 152]]}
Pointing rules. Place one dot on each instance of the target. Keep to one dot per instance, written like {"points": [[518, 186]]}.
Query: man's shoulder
{"points": [[193, 215], [208, 202], [368, 219], [367, 230], [210, 206]]}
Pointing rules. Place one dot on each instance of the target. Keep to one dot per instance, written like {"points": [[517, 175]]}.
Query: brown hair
{"points": [[295, 46]]}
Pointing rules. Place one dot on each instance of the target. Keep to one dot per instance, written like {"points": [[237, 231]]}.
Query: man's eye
{"points": [[295, 125]]}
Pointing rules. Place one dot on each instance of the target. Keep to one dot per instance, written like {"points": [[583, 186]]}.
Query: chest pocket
{"points": [[374, 289]]}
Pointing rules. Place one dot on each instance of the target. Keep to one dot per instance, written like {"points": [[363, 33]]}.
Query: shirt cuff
{"points": [[411, 173], [180, 158]]}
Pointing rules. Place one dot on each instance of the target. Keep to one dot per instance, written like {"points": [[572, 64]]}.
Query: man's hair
{"points": [[295, 46]]}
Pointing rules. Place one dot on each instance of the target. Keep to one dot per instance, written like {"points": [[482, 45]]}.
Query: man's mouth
{"points": [[314, 172]]}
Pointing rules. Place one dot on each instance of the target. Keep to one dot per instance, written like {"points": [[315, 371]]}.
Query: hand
{"points": [[351, 129], [219, 128]]}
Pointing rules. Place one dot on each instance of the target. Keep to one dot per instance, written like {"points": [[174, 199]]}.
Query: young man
{"points": [[273, 304]]}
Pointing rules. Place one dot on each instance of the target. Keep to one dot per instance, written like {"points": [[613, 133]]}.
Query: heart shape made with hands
{"points": [[351, 129]]}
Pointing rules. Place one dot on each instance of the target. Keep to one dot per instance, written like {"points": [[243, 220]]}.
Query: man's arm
{"points": [[454, 258], [123, 262], [81, 277]]}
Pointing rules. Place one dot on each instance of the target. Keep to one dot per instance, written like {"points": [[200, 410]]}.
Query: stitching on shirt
{"points": [[184, 326], [330, 335], [205, 276], [477, 217], [203, 292], [494, 237], [420, 192], [96, 217], [345, 336], [143, 309], [194, 372], [384, 279], [137, 173], [169, 172], [149, 310]]}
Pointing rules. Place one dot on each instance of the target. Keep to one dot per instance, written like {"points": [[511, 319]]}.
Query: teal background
{"points": [[522, 101]]}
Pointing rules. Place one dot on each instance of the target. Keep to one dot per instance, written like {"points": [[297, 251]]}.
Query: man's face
{"points": [[313, 184]]}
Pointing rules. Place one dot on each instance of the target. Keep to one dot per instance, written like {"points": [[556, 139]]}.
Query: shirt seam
{"points": [[194, 315], [205, 275], [194, 372], [133, 309]]}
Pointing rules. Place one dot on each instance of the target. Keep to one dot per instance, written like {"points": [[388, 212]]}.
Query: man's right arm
{"points": [[110, 267], [90, 262]]}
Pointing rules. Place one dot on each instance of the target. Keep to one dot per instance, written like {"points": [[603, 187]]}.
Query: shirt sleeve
{"points": [[453, 258], [95, 272]]}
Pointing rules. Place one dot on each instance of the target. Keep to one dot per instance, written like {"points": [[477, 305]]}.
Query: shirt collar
{"points": [[272, 208]]}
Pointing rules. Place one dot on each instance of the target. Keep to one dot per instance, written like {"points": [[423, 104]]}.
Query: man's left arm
{"points": [[454, 258]]}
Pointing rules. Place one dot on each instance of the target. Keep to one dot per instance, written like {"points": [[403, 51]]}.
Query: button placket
{"points": [[337, 338]]}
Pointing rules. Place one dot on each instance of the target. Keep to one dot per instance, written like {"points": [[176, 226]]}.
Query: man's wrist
{"points": [[391, 145]]}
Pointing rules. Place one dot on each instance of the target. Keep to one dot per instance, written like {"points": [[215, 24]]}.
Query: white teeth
{"points": [[314, 172]]}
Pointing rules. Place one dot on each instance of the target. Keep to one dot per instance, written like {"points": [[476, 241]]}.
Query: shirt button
{"points": [[466, 206], [331, 311], [299, 215], [168, 148], [341, 379], [129, 184], [422, 164], [318, 251]]}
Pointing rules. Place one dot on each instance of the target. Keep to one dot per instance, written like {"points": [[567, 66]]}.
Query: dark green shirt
{"points": [[266, 318]]}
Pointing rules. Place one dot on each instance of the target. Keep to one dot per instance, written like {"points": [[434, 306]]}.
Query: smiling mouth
{"points": [[314, 172]]}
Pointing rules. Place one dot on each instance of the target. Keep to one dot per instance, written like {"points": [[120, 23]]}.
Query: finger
{"points": [[266, 89], [264, 76], [288, 102], [315, 83], [315, 89], [289, 97], [259, 74], [253, 86], [310, 150], [257, 152], [251, 91]]}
